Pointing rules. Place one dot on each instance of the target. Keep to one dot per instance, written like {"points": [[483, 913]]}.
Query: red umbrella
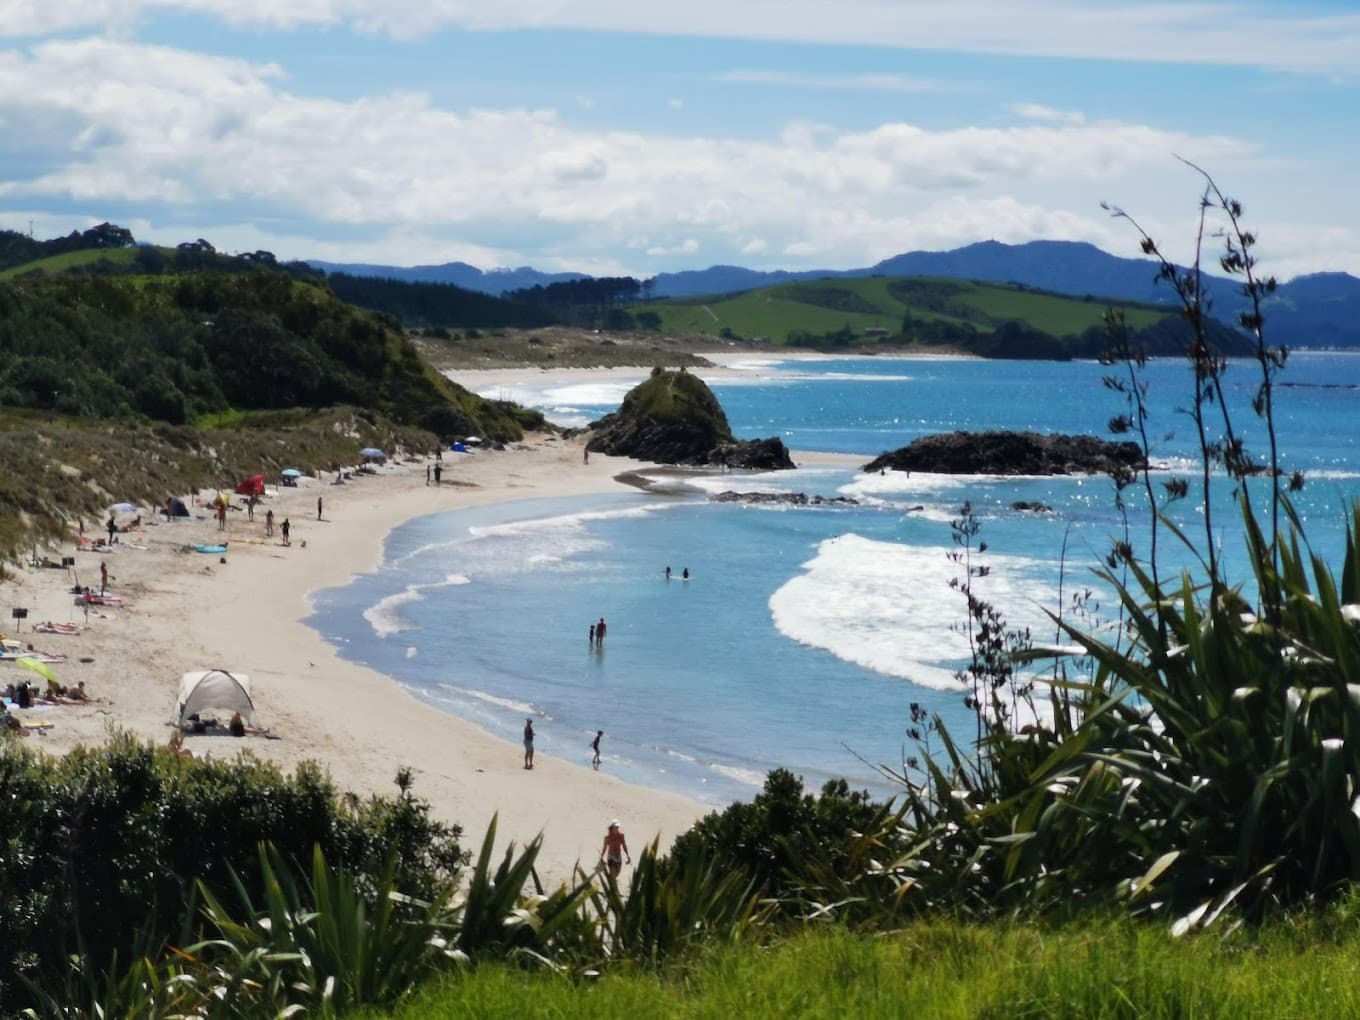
{"points": [[252, 486]]}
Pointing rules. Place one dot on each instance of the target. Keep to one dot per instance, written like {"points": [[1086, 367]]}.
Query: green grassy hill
{"points": [[121, 258], [843, 312]]}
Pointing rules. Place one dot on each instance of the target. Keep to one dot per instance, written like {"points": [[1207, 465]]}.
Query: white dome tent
{"points": [[214, 690]]}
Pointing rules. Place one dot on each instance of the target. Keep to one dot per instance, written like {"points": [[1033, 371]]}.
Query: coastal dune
{"points": [[185, 611]]}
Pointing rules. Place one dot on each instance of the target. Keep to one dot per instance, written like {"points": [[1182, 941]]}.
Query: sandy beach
{"points": [[747, 364], [185, 611]]}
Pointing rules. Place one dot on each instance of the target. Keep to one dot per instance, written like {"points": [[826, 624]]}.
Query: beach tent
{"points": [[214, 690], [177, 507], [252, 486], [459, 448]]}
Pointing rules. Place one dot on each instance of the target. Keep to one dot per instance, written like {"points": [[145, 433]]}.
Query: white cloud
{"points": [[1226, 32], [202, 136], [1037, 111], [689, 246]]}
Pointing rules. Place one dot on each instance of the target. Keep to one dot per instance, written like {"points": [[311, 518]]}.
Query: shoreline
{"points": [[187, 611]]}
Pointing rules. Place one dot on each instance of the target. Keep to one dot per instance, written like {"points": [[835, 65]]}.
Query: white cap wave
{"points": [[889, 607]]}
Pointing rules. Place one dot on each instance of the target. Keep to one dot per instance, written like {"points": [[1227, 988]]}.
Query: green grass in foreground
{"points": [[942, 970]]}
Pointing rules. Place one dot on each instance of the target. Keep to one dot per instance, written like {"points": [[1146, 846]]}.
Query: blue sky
{"points": [[606, 136]]}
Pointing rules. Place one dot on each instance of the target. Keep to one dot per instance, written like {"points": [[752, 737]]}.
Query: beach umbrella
{"points": [[37, 666], [291, 473], [373, 453], [124, 508]]}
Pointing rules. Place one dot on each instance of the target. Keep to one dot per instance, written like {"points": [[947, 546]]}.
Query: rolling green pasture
{"points": [[67, 261], [881, 303]]}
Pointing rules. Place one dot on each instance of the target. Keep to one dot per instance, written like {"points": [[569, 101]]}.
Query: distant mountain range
{"points": [[1319, 310]]}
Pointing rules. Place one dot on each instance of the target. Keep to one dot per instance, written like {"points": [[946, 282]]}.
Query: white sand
{"points": [[186, 610], [747, 365]]}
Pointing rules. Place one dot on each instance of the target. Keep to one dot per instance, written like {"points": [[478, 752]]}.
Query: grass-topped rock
{"points": [[674, 418]]}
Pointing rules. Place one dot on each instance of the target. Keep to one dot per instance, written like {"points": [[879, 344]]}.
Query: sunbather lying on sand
{"points": [[48, 627]]}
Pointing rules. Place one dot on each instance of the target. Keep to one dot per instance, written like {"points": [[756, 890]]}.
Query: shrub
{"points": [[770, 839], [103, 847]]}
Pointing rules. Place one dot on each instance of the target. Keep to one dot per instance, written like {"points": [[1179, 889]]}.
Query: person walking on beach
{"points": [[585, 454], [438, 471], [615, 849], [221, 516], [269, 523], [528, 743], [250, 508], [103, 577], [283, 530], [599, 633], [595, 747], [427, 474], [112, 526], [592, 635], [318, 508]]}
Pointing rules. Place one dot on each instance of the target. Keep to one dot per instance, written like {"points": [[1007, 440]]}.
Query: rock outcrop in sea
{"points": [[783, 498], [674, 418], [1011, 453]]}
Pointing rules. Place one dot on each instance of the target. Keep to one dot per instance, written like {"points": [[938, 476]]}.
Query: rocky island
{"points": [[1011, 453], [674, 418]]}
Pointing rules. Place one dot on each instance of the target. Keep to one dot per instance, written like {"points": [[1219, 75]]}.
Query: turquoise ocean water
{"points": [[805, 633]]}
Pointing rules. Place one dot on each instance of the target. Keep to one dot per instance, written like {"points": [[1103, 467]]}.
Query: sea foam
{"points": [[537, 540], [889, 607], [385, 618]]}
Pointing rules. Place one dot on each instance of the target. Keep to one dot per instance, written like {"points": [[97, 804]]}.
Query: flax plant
{"points": [[1214, 762]]}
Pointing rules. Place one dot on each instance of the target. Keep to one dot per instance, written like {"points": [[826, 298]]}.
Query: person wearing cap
{"points": [[615, 849]]}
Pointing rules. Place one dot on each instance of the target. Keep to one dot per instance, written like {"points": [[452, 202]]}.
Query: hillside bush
{"points": [[178, 347], [771, 838]]}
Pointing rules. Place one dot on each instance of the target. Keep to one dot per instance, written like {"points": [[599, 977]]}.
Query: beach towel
{"points": [[91, 599]]}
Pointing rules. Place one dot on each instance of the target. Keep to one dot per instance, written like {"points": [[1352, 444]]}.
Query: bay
{"points": [[804, 634]]}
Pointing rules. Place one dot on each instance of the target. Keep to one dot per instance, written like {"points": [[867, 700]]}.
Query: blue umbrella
{"points": [[373, 452], [291, 473]]}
